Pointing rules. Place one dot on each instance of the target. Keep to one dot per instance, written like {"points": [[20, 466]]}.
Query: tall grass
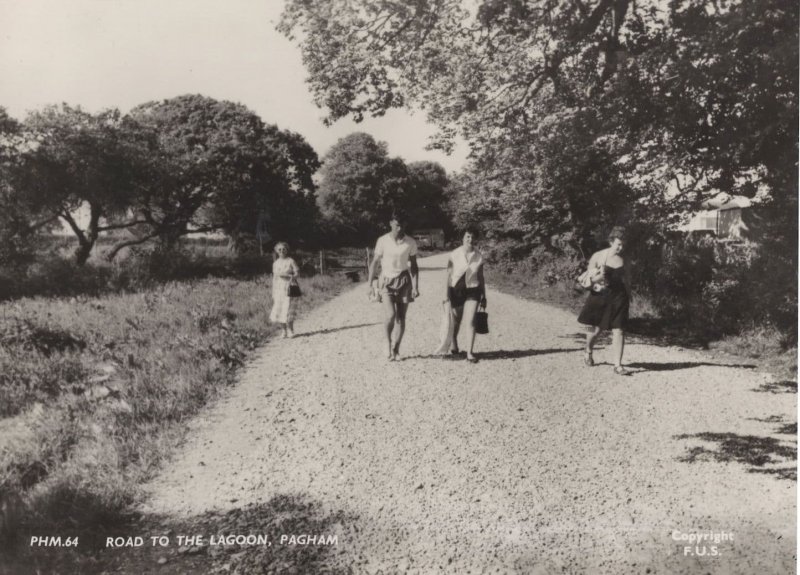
{"points": [[93, 390], [540, 283], [765, 343], [53, 272]]}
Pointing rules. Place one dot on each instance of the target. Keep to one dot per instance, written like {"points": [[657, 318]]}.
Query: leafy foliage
{"points": [[20, 219], [361, 186], [682, 99], [73, 159], [189, 164], [426, 195], [581, 115], [217, 166]]}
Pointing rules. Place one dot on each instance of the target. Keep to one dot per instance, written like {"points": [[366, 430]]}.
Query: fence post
{"points": [[321, 261]]}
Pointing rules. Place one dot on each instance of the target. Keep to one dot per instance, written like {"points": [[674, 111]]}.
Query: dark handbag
{"points": [[481, 321], [294, 288]]}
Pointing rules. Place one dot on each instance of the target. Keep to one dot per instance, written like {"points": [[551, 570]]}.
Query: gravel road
{"points": [[527, 462]]}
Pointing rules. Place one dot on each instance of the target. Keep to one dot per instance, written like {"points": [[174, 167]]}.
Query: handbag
{"points": [[481, 321], [294, 288]]}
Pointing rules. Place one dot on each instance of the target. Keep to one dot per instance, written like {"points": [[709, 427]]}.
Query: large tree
{"points": [[215, 166], [702, 94], [528, 196], [72, 161], [427, 195], [202, 150], [167, 169], [360, 186], [294, 199], [21, 219]]}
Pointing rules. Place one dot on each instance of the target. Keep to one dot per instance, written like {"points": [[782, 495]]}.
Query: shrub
{"points": [[717, 287], [708, 287]]}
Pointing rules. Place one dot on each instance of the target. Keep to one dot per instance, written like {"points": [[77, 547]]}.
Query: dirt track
{"points": [[527, 462]]}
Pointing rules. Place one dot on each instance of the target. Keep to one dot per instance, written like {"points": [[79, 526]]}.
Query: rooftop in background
{"points": [[725, 217], [727, 202]]}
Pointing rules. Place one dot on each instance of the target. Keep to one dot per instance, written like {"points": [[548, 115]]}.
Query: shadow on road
{"points": [[603, 341], [283, 515], [787, 428], [789, 473], [498, 354], [751, 450], [674, 365], [785, 386], [519, 353], [333, 330]]}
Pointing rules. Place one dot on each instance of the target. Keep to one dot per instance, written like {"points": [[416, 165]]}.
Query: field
{"points": [[95, 387]]}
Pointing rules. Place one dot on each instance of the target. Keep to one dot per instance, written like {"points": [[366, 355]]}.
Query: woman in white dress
{"points": [[284, 269]]}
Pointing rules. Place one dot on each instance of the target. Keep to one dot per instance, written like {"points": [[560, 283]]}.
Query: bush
{"points": [[717, 286], [53, 274], [702, 286]]}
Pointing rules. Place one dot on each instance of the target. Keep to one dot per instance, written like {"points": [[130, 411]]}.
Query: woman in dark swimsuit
{"points": [[609, 300]]}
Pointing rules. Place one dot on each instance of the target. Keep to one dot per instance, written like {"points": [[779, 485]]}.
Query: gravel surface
{"points": [[527, 462]]}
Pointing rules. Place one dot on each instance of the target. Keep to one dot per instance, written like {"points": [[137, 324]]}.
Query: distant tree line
{"points": [[192, 164], [166, 169], [361, 185]]}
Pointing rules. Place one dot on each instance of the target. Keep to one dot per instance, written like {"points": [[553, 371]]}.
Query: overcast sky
{"points": [[120, 53]]}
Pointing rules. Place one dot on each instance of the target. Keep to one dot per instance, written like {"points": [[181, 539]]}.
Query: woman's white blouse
{"points": [[465, 264]]}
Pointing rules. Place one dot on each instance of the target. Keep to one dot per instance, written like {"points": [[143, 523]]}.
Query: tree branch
{"points": [[65, 215], [37, 225], [121, 226], [119, 247]]}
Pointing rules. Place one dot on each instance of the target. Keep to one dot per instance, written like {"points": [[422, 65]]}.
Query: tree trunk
{"points": [[82, 253], [89, 239], [169, 238]]}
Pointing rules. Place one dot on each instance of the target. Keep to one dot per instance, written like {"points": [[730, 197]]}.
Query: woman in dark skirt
{"points": [[609, 300], [465, 290]]}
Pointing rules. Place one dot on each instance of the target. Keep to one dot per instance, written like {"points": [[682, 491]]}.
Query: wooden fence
{"points": [[353, 262]]}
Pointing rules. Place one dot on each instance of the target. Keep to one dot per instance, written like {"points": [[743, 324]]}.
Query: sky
{"points": [[120, 53]]}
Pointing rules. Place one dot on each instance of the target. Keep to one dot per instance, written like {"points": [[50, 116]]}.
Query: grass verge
{"points": [[94, 392]]}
